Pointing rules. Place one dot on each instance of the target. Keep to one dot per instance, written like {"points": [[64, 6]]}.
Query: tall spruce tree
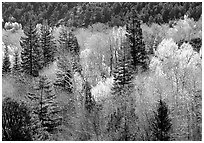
{"points": [[6, 68], [16, 66], [64, 74], [161, 124], [89, 99], [68, 43], [123, 71], [123, 75], [136, 42], [66, 66], [31, 55], [45, 105], [47, 44]]}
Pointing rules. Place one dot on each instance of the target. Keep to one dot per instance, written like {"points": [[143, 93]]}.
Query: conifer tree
{"points": [[6, 68], [64, 74], [123, 75], [46, 106], [64, 40], [47, 44], [16, 65], [31, 58], [68, 48], [15, 121], [136, 42], [68, 43], [89, 100], [162, 123], [123, 71]]}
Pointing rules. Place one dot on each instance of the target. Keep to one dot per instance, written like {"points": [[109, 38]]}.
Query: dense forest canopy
{"points": [[83, 14], [102, 71]]}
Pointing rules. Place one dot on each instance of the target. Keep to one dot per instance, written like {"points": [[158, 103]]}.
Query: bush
{"points": [[15, 121]]}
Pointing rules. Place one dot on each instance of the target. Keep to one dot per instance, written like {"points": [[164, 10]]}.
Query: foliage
{"points": [[31, 59], [67, 63], [15, 121], [45, 105], [47, 45], [89, 100], [136, 42], [6, 67], [84, 14], [16, 66], [162, 124], [97, 93], [121, 90], [13, 27], [103, 89], [181, 73]]}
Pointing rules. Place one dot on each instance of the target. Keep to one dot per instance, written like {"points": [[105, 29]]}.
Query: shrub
{"points": [[15, 121]]}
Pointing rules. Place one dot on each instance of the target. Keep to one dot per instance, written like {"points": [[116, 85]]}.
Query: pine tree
{"points": [[47, 44], [31, 53], [64, 74], [161, 124], [89, 100], [123, 75], [75, 52], [123, 71], [66, 66], [15, 121], [64, 41], [16, 66], [136, 42], [6, 68], [46, 106], [68, 43]]}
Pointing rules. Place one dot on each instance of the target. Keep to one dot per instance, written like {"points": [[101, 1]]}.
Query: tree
{"points": [[16, 65], [123, 72], [162, 123], [15, 121], [31, 54], [121, 91], [64, 76], [47, 44], [89, 100], [6, 62], [136, 42], [45, 105], [68, 42], [68, 55]]}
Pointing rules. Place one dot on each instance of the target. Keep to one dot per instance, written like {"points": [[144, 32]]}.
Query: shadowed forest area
{"points": [[101, 71]]}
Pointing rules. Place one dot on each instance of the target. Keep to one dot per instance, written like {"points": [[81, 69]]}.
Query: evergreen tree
{"points": [[75, 53], [64, 74], [47, 45], [123, 71], [46, 106], [16, 65], [31, 58], [123, 75], [89, 100], [15, 121], [162, 123], [64, 40], [68, 48], [68, 41], [136, 42], [6, 68], [114, 123]]}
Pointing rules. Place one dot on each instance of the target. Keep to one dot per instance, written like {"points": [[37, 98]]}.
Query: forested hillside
{"points": [[84, 14], [102, 71]]}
